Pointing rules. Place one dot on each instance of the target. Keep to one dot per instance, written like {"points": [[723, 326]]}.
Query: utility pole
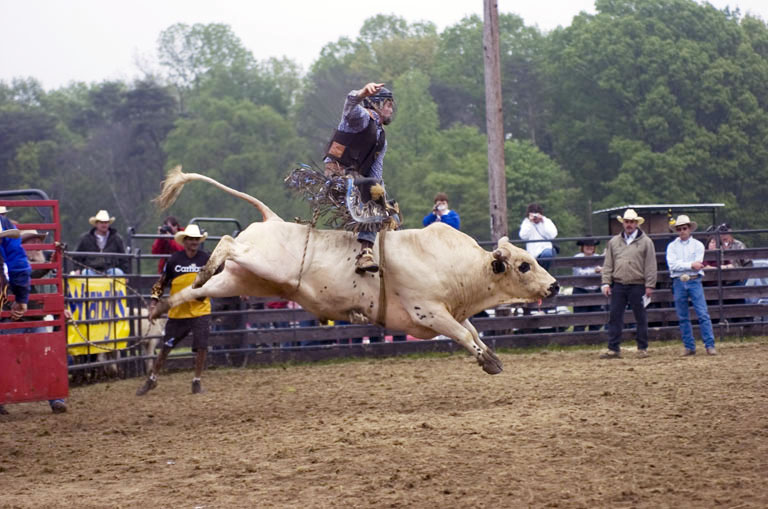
{"points": [[497, 180]]}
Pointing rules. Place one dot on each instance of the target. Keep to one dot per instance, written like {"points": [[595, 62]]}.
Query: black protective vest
{"points": [[357, 150]]}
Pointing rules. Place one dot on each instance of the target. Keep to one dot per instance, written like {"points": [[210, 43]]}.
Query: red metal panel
{"points": [[33, 366]]}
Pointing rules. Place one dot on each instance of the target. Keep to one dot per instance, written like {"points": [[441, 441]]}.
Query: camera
{"points": [[165, 229]]}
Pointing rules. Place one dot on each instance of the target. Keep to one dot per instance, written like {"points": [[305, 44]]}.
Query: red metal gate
{"points": [[33, 366]]}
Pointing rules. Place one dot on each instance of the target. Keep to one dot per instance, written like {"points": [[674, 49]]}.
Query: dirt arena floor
{"points": [[555, 429]]}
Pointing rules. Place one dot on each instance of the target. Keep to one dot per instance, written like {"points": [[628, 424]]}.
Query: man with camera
{"points": [[537, 229], [166, 245], [441, 213]]}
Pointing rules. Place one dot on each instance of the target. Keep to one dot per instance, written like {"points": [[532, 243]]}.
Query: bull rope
{"points": [[310, 227], [381, 314]]}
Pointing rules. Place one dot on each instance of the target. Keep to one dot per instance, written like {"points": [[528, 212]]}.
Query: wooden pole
{"points": [[497, 181]]}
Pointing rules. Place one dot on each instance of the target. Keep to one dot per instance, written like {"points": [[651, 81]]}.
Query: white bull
{"points": [[431, 280]]}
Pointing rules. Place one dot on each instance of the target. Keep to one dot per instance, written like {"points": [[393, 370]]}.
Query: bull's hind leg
{"points": [[224, 284], [220, 254], [466, 335]]}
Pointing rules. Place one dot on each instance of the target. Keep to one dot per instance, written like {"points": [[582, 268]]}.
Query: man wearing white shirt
{"points": [[537, 227], [685, 259]]}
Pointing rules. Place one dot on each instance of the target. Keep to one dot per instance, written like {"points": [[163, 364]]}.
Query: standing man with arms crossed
{"points": [[194, 316], [358, 146], [629, 274], [685, 259]]}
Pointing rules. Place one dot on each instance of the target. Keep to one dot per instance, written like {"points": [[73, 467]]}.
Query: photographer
{"points": [[441, 213], [167, 245], [537, 226]]}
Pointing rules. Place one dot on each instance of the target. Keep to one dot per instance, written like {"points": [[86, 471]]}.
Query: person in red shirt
{"points": [[166, 245]]}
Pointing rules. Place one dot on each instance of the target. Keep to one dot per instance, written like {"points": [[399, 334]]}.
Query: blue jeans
{"points": [[693, 290], [545, 258], [114, 271]]}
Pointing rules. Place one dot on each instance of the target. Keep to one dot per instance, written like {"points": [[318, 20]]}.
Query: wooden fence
{"points": [[247, 332]]}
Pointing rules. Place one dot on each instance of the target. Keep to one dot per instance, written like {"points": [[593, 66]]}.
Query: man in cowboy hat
{"points": [[685, 259], [629, 274], [587, 247], [189, 317], [102, 238]]}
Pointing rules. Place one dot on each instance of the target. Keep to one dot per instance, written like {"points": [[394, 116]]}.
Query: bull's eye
{"points": [[524, 267]]}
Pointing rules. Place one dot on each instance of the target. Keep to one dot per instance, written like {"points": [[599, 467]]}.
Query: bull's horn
{"points": [[502, 241]]}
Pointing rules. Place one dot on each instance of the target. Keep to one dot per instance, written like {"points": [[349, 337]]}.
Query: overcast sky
{"points": [[59, 41]]}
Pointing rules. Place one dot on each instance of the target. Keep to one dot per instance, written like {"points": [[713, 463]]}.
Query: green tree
{"points": [[662, 101]]}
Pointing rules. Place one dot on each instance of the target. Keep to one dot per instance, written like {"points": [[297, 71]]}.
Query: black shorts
{"points": [[176, 329]]}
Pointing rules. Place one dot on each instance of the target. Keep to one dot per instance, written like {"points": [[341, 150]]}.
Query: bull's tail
{"points": [[174, 183]]}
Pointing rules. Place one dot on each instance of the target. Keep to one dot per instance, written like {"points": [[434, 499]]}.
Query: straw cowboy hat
{"points": [[102, 215], [190, 231], [630, 215], [32, 234], [683, 219]]}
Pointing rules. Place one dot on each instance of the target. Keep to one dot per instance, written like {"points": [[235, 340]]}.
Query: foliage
{"points": [[644, 102]]}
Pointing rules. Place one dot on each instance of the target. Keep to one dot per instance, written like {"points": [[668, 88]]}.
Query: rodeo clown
{"points": [[358, 147], [194, 316]]}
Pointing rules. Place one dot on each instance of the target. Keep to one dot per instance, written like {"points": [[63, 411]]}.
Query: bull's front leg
{"points": [[490, 362], [466, 335]]}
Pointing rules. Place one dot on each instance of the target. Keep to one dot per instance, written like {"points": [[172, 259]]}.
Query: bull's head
{"points": [[527, 279]]}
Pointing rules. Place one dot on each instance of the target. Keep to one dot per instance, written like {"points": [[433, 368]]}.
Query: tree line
{"points": [[662, 101]]}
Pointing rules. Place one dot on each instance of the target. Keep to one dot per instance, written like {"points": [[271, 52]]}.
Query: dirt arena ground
{"points": [[555, 429]]}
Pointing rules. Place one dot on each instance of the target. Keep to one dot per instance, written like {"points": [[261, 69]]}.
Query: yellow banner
{"points": [[98, 308]]}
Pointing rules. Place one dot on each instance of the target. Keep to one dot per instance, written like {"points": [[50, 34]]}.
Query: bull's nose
{"points": [[553, 289]]}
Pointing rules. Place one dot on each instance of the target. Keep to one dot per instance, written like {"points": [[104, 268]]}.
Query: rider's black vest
{"points": [[357, 150]]}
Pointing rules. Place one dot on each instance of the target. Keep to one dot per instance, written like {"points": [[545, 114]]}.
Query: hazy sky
{"points": [[58, 41]]}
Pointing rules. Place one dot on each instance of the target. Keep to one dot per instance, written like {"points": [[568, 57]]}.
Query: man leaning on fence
{"points": [[685, 259], [629, 275], [189, 317], [102, 238]]}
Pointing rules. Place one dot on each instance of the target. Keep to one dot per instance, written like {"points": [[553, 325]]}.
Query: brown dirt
{"points": [[555, 429]]}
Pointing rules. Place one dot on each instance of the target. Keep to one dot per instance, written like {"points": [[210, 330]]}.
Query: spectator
{"points": [[442, 213], [188, 317], [537, 227], [726, 237], [164, 245], [16, 274], [102, 238], [587, 248], [685, 259], [628, 276], [358, 146]]}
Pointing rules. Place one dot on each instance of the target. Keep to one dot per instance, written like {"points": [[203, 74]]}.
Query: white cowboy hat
{"points": [[10, 233], [4, 210], [31, 234], [630, 215], [101, 215], [683, 219], [190, 231]]}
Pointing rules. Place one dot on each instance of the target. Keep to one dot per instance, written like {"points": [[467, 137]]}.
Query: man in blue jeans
{"points": [[685, 259]]}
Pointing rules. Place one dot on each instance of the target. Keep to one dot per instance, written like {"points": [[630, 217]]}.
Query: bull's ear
{"points": [[502, 240], [498, 266]]}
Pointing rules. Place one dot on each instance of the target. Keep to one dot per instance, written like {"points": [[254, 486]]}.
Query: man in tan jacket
{"points": [[629, 274]]}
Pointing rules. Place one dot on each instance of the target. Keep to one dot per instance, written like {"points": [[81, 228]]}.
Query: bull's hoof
{"points": [[200, 280], [160, 309], [491, 363]]}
